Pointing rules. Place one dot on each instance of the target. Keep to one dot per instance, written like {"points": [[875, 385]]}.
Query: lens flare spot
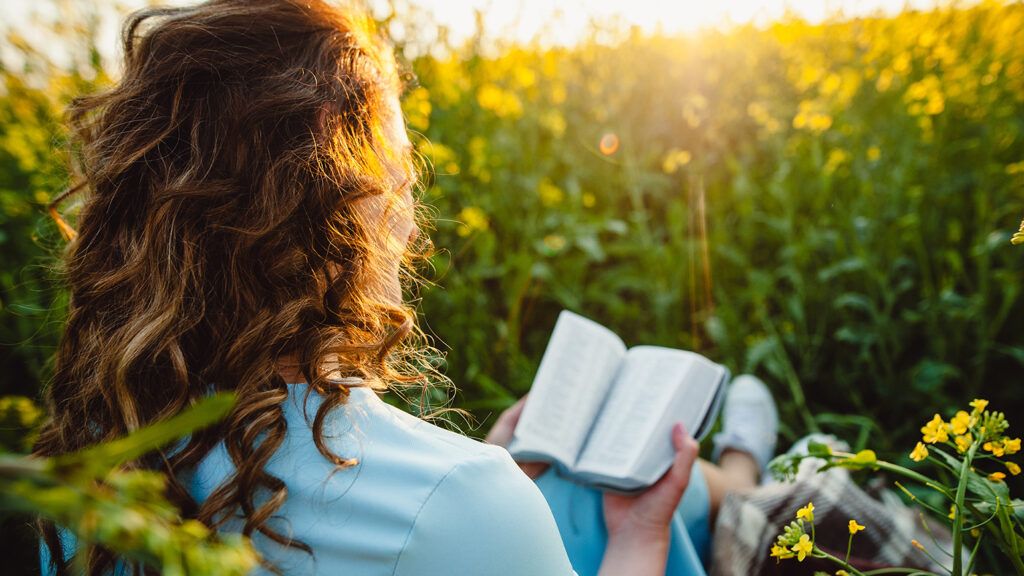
{"points": [[609, 144]]}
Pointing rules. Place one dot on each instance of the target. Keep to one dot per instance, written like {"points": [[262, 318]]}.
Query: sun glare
{"points": [[567, 20]]}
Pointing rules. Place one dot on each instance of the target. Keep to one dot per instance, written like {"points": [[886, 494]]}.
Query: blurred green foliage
{"points": [[856, 183], [20, 417], [125, 510], [34, 91], [860, 182]]}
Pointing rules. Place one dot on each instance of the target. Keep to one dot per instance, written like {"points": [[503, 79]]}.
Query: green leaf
{"points": [[93, 461], [819, 449], [859, 461], [977, 484], [1018, 508]]}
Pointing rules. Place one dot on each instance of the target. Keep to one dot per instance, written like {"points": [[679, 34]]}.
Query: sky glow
{"points": [[553, 21]]}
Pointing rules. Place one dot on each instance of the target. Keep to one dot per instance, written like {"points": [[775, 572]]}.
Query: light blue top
{"points": [[424, 501]]}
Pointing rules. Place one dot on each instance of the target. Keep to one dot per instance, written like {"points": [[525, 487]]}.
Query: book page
{"points": [[575, 373], [647, 382]]}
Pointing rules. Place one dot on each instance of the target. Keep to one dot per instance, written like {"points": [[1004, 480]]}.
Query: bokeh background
{"points": [[823, 198]]}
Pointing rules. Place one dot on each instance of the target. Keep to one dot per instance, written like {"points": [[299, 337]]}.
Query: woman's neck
{"points": [[288, 368]]}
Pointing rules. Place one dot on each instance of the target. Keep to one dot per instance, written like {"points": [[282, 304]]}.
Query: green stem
{"points": [[900, 470], [846, 565], [1017, 561], [914, 571], [918, 501], [877, 572], [792, 379], [974, 556], [958, 519]]}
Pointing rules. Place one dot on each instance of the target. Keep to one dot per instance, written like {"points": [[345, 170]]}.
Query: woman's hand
{"points": [[501, 435], [638, 526]]}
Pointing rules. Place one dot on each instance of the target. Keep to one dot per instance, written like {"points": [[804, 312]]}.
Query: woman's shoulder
{"points": [[377, 433], [383, 440], [421, 499], [481, 516]]}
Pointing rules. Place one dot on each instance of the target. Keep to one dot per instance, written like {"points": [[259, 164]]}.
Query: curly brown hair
{"points": [[219, 236]]}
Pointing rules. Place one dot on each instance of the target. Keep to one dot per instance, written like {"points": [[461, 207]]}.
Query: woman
{"points": [[246, 214], [245, 224]]}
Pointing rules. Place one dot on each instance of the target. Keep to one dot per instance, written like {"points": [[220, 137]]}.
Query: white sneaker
{"points": [[750, 421]]}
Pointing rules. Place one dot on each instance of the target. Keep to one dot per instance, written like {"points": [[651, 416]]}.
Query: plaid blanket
{"points": [[748, 523]]}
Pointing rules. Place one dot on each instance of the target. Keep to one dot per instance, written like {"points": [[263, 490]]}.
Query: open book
{"points": [[604, 414]]}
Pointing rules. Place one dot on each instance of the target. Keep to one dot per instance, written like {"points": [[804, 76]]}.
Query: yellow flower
{"points": [[820, 122], [1011, 446], [416, 105], [803, 547], [979, 405], [502, 103], [919, 453], [961, 422], [674, 160], [836, 158], [917, 545], [952, 512], [995, 448], [550, 195], [854, 527], [874, 153], [935, 431], [1013, 468], [472, 219], [997, 476], [884, 81], [806, 513], [963, 442], [781, 553], [842, 573]]}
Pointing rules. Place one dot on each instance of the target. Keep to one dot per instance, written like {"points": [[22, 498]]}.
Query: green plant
{"points": [[974, 450], [99, 503]]}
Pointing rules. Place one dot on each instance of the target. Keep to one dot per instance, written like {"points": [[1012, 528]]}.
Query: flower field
{"points": [[827, 206]]}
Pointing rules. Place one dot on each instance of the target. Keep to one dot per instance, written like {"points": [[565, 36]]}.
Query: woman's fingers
{"points": [[661, 500], [651, 511], [514, 412], [671, 486], [501, 433], [686, 454]]}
